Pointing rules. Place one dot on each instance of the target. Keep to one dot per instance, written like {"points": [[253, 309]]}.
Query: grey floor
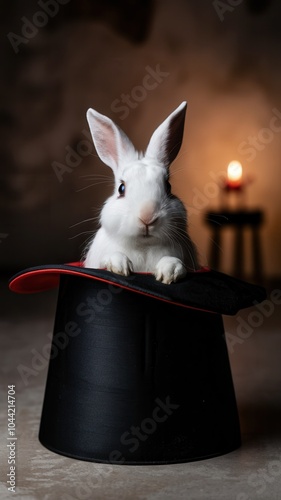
{"points": [[251, 472]]}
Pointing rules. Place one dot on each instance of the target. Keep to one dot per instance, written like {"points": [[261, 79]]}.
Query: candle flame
{"points": [[234, 172]]}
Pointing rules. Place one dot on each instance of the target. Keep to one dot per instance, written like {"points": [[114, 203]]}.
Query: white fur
{"points": [[144, 230]]}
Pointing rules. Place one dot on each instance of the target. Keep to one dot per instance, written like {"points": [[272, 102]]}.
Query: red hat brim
{"points": [[205, 290]]}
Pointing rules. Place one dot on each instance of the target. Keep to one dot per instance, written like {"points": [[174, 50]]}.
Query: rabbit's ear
{"points": [[111, 143], [166, 141]]}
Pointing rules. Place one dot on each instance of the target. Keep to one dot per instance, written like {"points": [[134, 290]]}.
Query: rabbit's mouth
{"points": [[147, 234], [148, 230], [148, 222]]}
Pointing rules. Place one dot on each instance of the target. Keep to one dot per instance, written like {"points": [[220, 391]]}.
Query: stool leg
{"points": [[238, 252], [257, 257]]}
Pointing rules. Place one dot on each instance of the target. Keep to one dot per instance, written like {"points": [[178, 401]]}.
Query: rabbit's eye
{"points": [[121, 189]]}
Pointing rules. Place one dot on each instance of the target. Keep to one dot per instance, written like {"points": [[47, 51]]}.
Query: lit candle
{"points": [[234, 175]]}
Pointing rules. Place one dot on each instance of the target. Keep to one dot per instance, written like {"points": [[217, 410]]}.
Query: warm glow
{"points": [[234, 173]]}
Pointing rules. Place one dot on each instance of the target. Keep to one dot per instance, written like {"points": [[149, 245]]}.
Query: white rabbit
{"points": [[143, 226]]}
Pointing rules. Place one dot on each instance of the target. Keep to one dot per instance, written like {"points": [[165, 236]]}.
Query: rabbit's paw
{"points": [[118, 263], [169, 269]]}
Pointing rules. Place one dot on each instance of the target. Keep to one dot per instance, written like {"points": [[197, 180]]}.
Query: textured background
{"points": [[223, 61]]}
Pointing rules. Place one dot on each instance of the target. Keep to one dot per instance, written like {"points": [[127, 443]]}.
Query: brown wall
{"points": [[224, 63]]}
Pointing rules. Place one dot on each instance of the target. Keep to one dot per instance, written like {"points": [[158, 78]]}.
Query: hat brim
{"points": [[205, 290]]}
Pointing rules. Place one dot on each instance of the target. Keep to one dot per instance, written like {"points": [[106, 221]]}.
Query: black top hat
{"points": [[141, 376], [205, 290]]}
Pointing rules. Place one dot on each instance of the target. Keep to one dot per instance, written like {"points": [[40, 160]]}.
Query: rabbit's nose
{"points": [[150, 222], [148, 214]]}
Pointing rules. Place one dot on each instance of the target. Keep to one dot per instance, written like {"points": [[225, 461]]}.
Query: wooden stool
{"points": [[238, 219]]}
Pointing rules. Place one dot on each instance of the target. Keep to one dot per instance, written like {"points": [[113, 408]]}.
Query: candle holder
{"points": [[234, 214]]}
